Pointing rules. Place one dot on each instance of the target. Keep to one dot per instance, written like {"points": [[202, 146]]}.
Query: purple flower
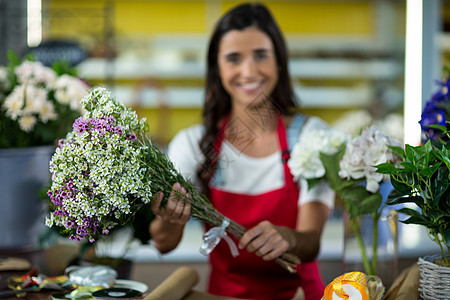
{"points": [[105, 231], [434, 113], [61, 143], [80, 125], [131, 136]]}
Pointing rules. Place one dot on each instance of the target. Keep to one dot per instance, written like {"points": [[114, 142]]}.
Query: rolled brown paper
{"points": [[176, 286]]}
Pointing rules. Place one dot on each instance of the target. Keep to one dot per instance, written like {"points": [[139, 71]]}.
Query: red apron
{"points": [[248, 276]]}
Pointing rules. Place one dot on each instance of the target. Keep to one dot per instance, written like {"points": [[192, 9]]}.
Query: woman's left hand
{"points": [[266, 240]]}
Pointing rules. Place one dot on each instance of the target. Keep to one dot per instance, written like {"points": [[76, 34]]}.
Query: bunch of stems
{"points": [[163, 176]]}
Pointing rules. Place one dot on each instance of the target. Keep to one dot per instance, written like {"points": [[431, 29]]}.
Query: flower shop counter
{"points": [[413, 243]]}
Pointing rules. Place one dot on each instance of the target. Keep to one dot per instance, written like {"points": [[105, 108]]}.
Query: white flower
{"points": [[33, 72], [305, 159], [70, 90], [27, 122], [363, 153]]}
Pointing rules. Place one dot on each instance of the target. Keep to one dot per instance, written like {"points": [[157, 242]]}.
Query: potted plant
{"points": [[38, 105], [421, 181]]}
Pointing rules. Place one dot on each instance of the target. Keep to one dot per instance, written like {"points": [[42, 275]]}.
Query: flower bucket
{"points": [[434, 280], [23, 172]]}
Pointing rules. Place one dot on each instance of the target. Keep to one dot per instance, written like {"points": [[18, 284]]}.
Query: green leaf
{"points": [[445, 159], [401, 186], [413, 154], [440, 185], [359, 201], [438, 127], [408, 199], [428, 172], [415, 217], [331, 164], [398, 150], [447, 235], [410, 167], [313, 182], [386, 168]]}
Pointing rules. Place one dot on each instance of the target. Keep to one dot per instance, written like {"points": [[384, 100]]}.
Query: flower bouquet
{"points": [[108, 167], [38, 104], [347, 165]]}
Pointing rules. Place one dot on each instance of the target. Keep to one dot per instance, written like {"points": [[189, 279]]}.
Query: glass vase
{"points": [[371, 245]]}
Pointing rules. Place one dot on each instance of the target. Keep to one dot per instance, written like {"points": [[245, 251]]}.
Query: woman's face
{"points": [[247, 66]]}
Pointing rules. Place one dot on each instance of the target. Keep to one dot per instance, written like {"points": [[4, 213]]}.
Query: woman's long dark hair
{"points": [[217, 100]]}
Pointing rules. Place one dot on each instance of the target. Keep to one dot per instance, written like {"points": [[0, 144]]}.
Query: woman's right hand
{"points": [[177, 210]]}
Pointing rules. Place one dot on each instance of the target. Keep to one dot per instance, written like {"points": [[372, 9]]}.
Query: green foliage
{"points": [[422, 178], [358, 201]]}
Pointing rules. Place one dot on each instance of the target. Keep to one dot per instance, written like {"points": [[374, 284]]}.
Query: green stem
{"points": [[375, 218], [361, 246], [436, 238]]}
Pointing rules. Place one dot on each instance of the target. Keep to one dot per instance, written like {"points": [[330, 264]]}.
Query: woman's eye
{"points": [[234, 59], [260, 56]]}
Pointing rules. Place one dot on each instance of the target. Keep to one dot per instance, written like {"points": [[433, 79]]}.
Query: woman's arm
{"points": [[269, 241], [167, 228]]}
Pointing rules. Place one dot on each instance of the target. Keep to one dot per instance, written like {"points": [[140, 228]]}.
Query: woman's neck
{"points": [[253, 132], [257, 120]]}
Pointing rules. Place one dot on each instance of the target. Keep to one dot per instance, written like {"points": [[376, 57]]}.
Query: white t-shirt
{"points": [[239, 173]]}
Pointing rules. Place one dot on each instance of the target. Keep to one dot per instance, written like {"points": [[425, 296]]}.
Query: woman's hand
{"points": [[177, 210], [167, 228], [267, 240]]}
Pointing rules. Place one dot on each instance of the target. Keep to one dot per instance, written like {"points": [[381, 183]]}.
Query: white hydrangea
{"points": [[363, 153], [305, 159]]}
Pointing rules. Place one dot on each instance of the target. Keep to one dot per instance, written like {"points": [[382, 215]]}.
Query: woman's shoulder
{"points": [[193, 132], [300, 124], [300, 120], [187, 139]]}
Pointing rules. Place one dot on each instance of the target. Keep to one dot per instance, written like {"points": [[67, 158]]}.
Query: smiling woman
{"points": [[239, 156]]}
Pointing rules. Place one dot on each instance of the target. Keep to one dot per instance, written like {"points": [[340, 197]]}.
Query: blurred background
{"points": [[347, 60], [345, 56]]}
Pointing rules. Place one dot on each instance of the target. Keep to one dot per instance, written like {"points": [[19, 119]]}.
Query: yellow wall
{"points": [[166, 17]]}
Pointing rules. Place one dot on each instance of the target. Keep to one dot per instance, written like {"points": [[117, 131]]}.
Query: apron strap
{"points": [[285, 153], [221, 136]]}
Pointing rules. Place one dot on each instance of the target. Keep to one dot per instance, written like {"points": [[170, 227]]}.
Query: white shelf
{"points": [[338, 68], [192, 97]]}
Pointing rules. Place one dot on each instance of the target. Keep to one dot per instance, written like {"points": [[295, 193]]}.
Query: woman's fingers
{"points": [[265, 240], [156, 203], [176, 210]]}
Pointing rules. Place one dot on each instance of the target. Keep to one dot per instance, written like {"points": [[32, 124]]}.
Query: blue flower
{"points": [[435, 112]]}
